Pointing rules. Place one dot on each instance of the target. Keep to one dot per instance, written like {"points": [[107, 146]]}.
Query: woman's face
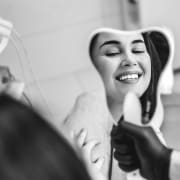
{"points": [[123, 63]]}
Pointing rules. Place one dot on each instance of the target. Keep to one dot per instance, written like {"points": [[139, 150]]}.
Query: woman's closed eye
{"points": [[112, 52], [138, 51], [139, 48]]}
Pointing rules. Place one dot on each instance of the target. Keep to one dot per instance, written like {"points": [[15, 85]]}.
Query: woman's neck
{"points": [[115, 110]]}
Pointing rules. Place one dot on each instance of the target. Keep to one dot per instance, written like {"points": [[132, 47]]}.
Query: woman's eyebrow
{"points": [[137, 41], [109, 42]]}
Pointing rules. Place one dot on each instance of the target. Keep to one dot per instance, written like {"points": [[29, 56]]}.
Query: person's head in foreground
{"points": [[131, 61], [30, 149]]}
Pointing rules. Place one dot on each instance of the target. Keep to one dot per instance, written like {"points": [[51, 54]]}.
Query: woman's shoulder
{"points": [[89, 111]]}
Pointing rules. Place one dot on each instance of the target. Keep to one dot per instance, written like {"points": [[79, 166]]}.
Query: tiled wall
{"points": [[55, 34]]}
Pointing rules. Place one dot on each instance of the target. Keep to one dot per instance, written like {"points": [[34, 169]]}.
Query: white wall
{"points": [[163, 13], [55, 34]]}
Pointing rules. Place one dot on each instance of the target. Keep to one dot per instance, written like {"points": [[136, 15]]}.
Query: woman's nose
{"points": [[128, 61]]}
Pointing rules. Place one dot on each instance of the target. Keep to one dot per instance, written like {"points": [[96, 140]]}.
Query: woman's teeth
{"points": [[128, 77]]}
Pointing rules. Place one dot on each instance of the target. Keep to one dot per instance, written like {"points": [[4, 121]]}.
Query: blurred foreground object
{"points": [[31, 149]]}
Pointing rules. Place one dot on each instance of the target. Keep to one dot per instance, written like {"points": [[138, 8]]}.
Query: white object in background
{"points": [[12, 87], [5, 32]]}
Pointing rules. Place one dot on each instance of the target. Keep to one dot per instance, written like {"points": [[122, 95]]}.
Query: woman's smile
{"points": [[129, 77]]}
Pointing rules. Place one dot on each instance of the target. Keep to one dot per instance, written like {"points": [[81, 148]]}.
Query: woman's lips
{"points": [[129, 76]]}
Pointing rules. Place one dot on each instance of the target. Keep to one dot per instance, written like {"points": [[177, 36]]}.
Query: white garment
{"points": [[90, 112]]}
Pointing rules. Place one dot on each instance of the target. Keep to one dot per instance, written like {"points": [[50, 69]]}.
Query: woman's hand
{"points": [[87, 147]]}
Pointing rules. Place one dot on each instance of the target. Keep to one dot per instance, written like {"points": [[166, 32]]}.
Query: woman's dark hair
{"points": [[150, 95], [30, 149]]}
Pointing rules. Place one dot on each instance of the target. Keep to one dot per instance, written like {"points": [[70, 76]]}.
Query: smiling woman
{"points": [[131, 61], [123, 63]]}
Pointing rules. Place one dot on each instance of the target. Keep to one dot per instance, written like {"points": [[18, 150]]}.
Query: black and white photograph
{"points": [[89, 90]]}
